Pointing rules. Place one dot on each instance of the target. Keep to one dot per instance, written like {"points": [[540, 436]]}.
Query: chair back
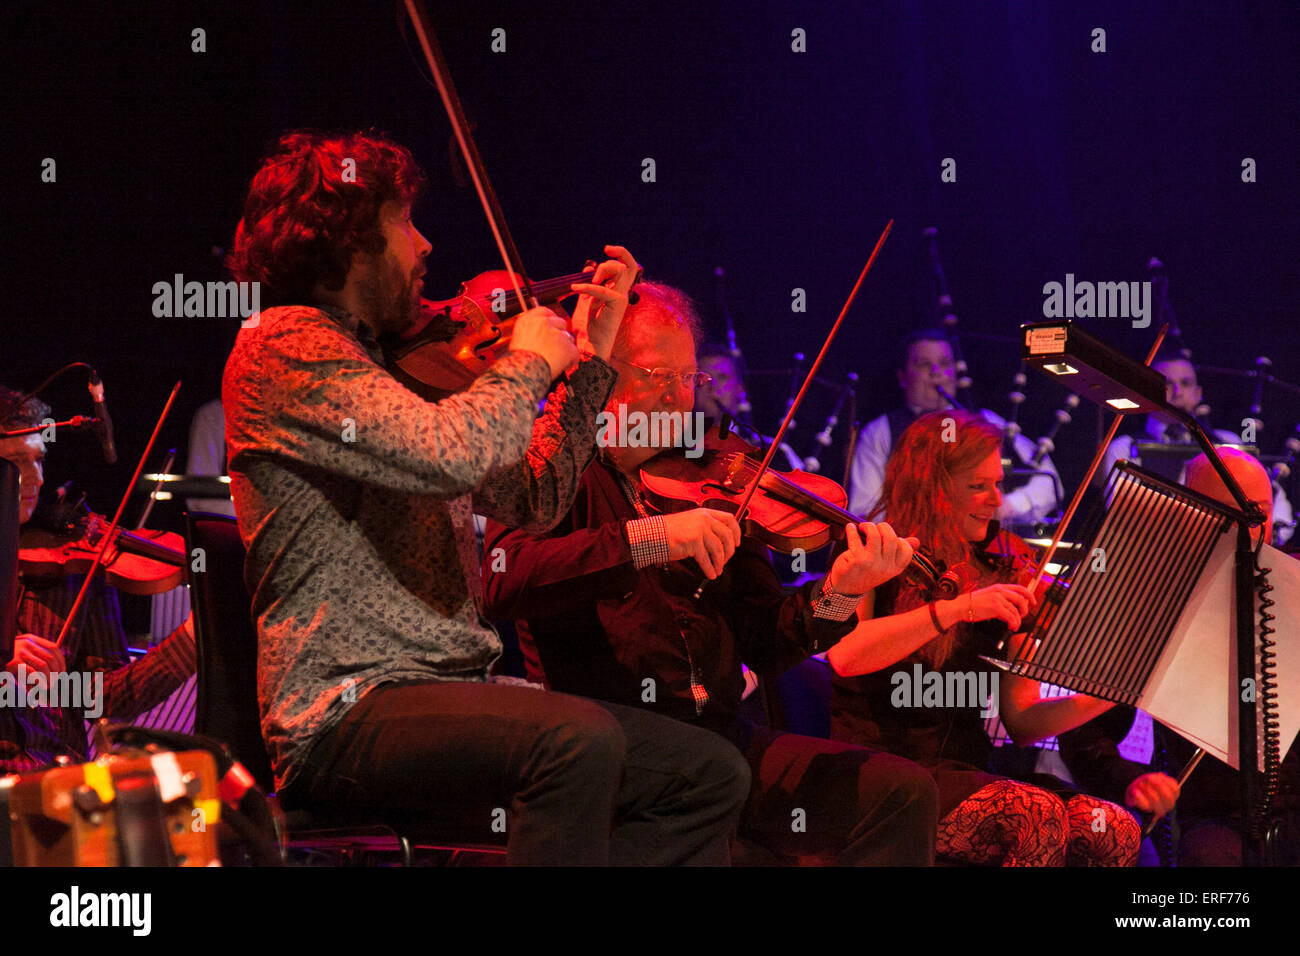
{"points": [[227, 642]]}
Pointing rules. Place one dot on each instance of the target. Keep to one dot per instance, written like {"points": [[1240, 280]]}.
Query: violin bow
{"points": [[807, 383], [117, 519], [469, 149]]}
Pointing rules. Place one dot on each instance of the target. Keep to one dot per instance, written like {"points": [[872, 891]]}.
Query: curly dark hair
{"points": [[314, 203], [16, 413]]}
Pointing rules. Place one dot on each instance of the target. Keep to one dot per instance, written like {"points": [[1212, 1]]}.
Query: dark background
{"points": [[781, 167]]}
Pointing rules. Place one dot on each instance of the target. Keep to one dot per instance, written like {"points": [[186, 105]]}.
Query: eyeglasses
{"points": [[667, 377]]}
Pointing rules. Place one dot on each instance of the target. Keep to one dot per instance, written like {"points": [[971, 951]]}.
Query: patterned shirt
{"points": [[355, 499]]}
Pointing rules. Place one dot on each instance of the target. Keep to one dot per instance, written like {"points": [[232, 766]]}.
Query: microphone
{"points": [[103, 427]]}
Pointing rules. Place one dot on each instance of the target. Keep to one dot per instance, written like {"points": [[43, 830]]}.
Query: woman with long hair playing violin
{"points": [[899, 673]]}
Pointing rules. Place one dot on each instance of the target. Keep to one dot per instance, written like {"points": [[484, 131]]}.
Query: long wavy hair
{"points": [[919, 491], [312, 205]]}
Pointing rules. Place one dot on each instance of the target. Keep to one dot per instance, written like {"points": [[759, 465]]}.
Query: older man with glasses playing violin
{"points": [[606, 609]]}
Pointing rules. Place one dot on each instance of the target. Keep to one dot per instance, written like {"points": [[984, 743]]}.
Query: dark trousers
{"points": [[562, 779], [836, 803]]}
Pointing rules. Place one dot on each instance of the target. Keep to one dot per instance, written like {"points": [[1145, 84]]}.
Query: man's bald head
{"points": [[1246, 470]]}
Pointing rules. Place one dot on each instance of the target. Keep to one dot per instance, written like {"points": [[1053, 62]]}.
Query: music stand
{"points": [[1095, 370]]}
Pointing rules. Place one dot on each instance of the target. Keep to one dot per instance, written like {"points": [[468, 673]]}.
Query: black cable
{"points": [[18, 403], [1267, 697], [1162, 838]]}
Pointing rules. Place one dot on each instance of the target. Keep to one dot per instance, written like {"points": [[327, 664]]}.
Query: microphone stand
{"points": [[1244, 583]]}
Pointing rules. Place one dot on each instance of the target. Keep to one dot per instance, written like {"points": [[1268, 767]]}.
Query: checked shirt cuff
{"points": [[834, 607], [648, 539]]}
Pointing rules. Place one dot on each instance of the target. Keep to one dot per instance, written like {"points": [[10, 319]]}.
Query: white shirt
{"points": [[207, 455]]}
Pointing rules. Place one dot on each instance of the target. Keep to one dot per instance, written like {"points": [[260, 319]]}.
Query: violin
{"points": [[1007, 556], [456, 340], [1003, 557], [136, 562], [789, 510]]}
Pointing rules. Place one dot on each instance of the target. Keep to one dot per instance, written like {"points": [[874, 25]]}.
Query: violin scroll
{"points": [[931, 576]]}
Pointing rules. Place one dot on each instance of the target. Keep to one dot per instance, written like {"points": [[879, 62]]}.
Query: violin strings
{"points": [[749, 468], [545, 287]]}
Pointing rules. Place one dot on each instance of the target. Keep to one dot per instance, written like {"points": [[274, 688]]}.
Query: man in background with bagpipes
{"points": [[1183, 390], [927, 375]]}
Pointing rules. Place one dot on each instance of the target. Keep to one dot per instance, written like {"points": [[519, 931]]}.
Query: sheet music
{"points": [[1195, 690]]}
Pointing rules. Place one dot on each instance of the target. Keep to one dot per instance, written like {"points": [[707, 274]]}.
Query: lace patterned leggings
{"points": [[1015, 824]]}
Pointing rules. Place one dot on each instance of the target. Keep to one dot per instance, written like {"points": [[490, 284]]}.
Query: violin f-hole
{"points": [[488, 345]]}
